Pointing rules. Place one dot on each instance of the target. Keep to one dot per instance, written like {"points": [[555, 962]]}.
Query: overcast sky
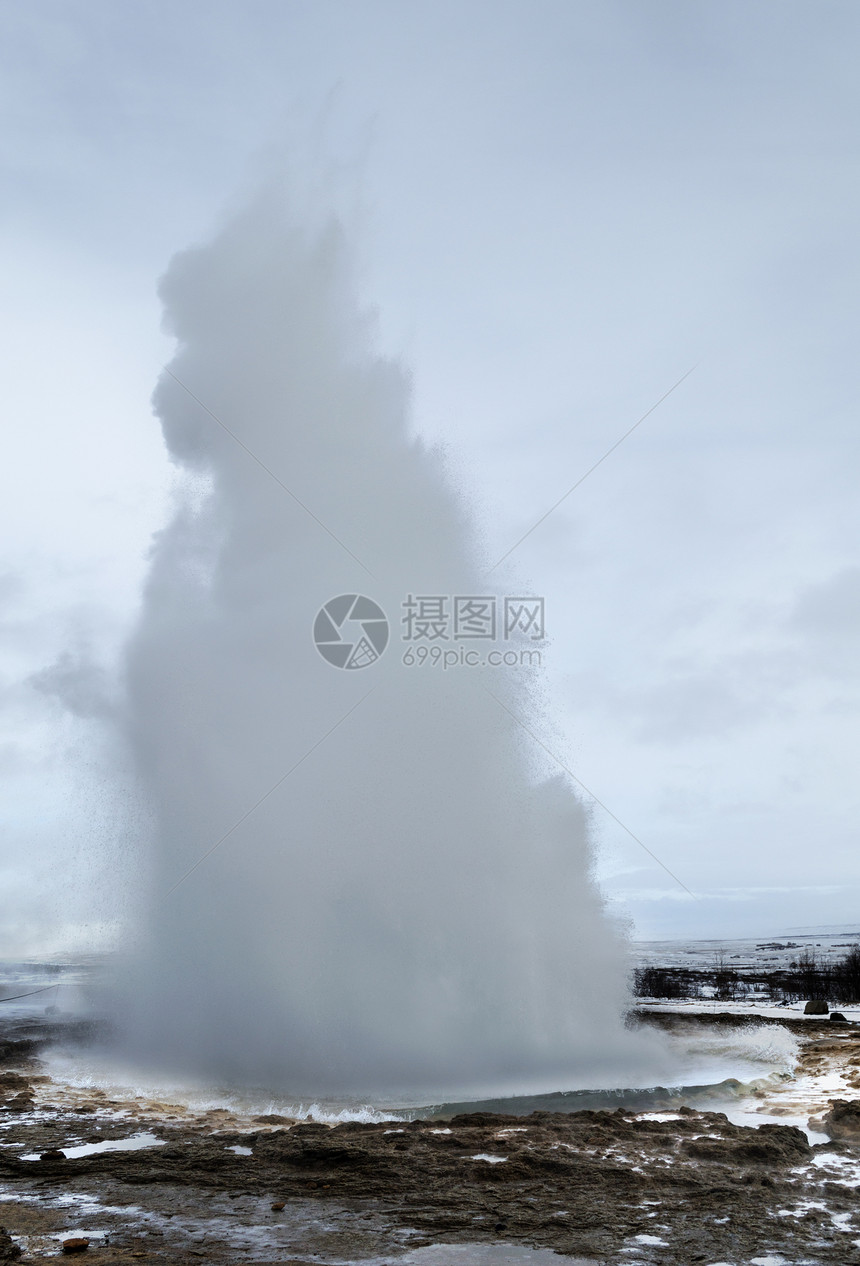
{"points": [[562, 207]]}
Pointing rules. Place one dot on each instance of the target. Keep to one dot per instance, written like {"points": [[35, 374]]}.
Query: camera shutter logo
{"points": [[351, 631]]}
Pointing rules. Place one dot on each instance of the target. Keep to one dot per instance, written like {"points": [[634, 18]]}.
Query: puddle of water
{"points": [[108, 1145], [483, 1255], [241, 1151]]}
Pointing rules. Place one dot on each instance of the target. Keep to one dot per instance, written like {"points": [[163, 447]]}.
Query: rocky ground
{"points": [[673, 1187]]}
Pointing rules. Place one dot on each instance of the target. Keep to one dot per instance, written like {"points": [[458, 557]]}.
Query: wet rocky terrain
{"points": [[677, 1186]]}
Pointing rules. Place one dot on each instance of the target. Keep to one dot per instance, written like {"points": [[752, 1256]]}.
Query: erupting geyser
{"points": [[411, 908]]}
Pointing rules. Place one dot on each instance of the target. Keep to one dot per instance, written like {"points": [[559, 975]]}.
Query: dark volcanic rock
{"points": [[9, 1250], [768, 1145], [11, 1083], [842, 1122], [816, 1007], [18, 1051], [22, 1102]]}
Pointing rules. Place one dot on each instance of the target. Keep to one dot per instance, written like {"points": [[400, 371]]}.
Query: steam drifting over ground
{"points": [[410, 910]]}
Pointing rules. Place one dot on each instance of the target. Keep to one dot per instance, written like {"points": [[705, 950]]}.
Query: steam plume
{"points": [[410, 910]]}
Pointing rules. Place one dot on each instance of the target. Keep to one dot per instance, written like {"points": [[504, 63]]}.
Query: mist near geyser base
{"points": [[411, 910]]}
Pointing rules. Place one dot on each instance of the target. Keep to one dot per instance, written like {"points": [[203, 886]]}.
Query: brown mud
{"points": [[674, 1188]]}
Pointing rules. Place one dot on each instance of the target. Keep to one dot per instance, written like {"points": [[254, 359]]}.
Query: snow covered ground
{"points": [[749, 953]]}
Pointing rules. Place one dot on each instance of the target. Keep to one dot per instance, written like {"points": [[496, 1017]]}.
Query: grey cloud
{"points": [[83, 688], [11, 586], [830, 609]]}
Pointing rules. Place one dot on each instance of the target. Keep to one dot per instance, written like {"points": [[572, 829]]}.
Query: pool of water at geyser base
{"points": [[710, 1067]]}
